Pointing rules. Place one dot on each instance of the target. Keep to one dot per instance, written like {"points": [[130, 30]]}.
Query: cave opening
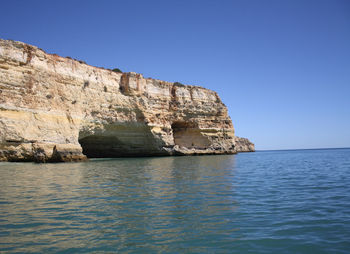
{"points": [[98, 146], [189, 135], [119, 140]]}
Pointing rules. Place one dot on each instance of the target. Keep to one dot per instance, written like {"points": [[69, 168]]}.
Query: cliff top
{"points": [[28, 47]]}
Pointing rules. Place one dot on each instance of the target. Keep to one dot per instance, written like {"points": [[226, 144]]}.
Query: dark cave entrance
{"points": [[119, 140], [102, 146]]}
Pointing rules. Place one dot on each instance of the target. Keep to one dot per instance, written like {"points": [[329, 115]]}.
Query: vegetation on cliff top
{"points": [[117, 70]]}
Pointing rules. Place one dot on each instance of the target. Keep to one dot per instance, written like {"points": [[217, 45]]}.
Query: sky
{"points": [[282, 67]]}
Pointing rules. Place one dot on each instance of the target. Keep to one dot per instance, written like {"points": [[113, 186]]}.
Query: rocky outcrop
{"points": [[243, 145], [59, 109]]}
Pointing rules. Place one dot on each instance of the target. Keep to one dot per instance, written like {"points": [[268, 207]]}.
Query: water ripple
{"points": [[263, 202]]}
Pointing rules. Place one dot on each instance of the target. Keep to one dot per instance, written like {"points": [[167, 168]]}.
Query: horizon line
{"points": [[293, 149]]}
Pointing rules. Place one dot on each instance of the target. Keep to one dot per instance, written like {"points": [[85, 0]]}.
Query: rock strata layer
{"points": [[243, 145], [54, 108]]}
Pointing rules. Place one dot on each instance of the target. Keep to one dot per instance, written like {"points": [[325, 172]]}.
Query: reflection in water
{"points": [[263, 202], [151, 204]]}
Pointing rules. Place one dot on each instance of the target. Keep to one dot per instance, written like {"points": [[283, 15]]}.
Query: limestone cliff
{"points": [[243, 145], [59, 109]]}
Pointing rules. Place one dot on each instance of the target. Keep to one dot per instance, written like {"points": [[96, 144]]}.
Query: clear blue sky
{"points": [[282, 67]]}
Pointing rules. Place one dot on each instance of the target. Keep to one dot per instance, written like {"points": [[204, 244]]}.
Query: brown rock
{"points": [[58, 109], [243, 145]]}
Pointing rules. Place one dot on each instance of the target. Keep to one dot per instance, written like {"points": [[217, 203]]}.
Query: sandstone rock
{"points": [[59, 109], [243, 145]]}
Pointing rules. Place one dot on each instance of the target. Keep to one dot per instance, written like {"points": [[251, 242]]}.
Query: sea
{"points": [[292, 201]]}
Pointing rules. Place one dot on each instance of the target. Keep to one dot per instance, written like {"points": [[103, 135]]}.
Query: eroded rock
{"points": [[243, 145], [59, 109]]}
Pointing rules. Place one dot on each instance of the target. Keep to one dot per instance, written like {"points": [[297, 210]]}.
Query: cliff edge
{"points": [[55, 109], [243, 145]]}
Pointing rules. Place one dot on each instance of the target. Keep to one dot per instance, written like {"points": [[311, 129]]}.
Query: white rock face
{"points": [[58, 109]]}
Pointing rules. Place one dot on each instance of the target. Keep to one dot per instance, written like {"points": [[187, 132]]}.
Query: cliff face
{"points": [[58, 109], [243, 145]]}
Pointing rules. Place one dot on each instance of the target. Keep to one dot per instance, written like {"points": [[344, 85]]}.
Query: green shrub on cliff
{"points": [[178, 84], [117, 70]]}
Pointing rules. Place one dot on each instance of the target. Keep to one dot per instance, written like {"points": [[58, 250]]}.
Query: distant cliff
{"points": [[243, 145], [54, 108]]}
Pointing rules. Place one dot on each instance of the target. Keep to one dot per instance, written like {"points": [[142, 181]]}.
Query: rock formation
{"points": [[243, 145], [54, 108]]}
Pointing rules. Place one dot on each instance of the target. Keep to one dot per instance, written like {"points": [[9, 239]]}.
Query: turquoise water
{"points": [[264, 202]]}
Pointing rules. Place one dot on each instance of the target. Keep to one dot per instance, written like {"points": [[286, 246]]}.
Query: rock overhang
{"points": [[52, 106]]}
